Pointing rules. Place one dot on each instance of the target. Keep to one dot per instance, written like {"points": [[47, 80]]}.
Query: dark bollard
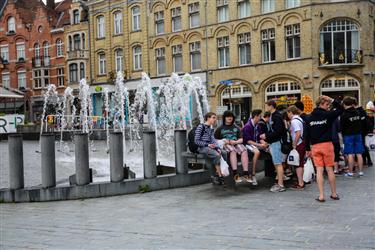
{"points": [[180, 147], [16, 179], [116, 157], [149, 154], [47, 144], [82, 158]]}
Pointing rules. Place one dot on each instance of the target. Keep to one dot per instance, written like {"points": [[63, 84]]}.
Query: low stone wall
{"points": [[96, 190]]}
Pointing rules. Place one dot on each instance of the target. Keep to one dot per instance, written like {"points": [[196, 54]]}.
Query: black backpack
{"points": [[286, 142], [193, 147]]}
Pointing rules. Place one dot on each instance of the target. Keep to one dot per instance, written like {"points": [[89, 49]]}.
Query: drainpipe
{"points": [[206, 36], [89, 42]]}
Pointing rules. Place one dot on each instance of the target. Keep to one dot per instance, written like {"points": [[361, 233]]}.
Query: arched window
{"points": [[119, 59], [37, 59], [75, 16], [70, 43], [77, 42], [11, 25], [284, 91], [117, 22], [100, 29], [82, 70], [136, 18], [238, 98], [46, 49], [102, 64], [339, 43], [5, 78], [21, 75], [137, 57], [339, 87], [59, 47], [83, 41], [73, 72]]}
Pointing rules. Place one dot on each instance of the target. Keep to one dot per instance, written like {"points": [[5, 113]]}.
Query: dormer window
{"points": [[11, 25]]}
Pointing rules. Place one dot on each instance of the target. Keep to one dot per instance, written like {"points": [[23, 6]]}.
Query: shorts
{"points": [[275, 150], [337, 148], [211, 154], [301, 152], [353, 144], [238, 148], [323, 154], [252, 148]]}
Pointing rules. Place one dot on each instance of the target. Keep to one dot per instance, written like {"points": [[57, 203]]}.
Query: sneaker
{"points": [[361, 173], [277, 188], [237, 178], [349, 175], [255, 183], [221, 180], [247, 178], [286, 178], [215, 180], [369, 164], [297, 187]]}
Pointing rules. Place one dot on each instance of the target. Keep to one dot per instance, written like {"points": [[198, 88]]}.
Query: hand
{"points": [[232, 142], [263, 136], [212, 146], [294, 145]]}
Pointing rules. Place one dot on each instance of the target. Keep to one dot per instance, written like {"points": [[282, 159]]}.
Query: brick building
{"points": [[32, 49]]}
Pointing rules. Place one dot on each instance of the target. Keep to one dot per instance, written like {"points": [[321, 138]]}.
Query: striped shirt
{"points": [[204, 135]]}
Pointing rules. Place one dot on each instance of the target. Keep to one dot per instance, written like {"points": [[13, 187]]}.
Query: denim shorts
{"points": [[275, 150], [353, 144]]}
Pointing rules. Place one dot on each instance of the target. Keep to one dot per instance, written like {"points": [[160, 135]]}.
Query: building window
{"points": [[195, 56], [137, 57], [102, 64], [244, 54], [268, 6], [59, 48], [160, 61], [338, 87], [46, 77], [194, 18], [292, 3], [83, 41], [75, 16], [284, 92], [46, 49], [73, 73], [136, 13], [243, 7], [20, 51], [4, 53], [177, 58], [60, 77], [223, 51], [21, 75], [6, 79], [176, 19], [100, 26], [70, 43], [119, 59], [82, 71], [339, 43], [77, 42], [37, 79], [117, 22], [159, 22], [222, 10], [11, 25], [268, 45], [292, 41]]}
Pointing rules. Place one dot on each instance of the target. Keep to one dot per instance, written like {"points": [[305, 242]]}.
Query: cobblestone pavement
{"points": [[200, 217]]}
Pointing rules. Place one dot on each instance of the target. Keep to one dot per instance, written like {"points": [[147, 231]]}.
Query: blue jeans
{"points": [[275, 150]]}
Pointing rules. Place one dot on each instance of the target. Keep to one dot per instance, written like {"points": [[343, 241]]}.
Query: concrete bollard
{"points": [[116, 157], [47, 144], [82, 158], [16, 179], [149, 154], [180, 147]]}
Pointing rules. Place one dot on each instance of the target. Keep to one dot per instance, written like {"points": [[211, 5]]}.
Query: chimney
{"points": [[51, 4]]}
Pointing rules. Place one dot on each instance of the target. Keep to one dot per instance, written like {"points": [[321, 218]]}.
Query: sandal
{"points": [[335, 198], [317, 199]]}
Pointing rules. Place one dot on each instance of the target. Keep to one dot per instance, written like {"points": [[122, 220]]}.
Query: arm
{"points": [[307, 136], [337, 110], [198, 136]]}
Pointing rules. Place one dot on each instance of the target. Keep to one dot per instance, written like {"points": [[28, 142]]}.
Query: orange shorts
{"points": [[323, 154]]}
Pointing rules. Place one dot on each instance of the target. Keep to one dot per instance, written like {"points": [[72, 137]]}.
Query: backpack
{"points": [[193, 147], [286, 142]]}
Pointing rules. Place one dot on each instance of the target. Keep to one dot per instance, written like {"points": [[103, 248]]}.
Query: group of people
{"points": [[321, 135]]}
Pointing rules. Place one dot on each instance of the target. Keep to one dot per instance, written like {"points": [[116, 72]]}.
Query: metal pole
{"points": [[16, 179], [179, 148], [116, 157], [48, 160], [82, 158], [149, 154]]}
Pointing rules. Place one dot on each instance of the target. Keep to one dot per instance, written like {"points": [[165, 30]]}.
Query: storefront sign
{"points": [[8, 123]]}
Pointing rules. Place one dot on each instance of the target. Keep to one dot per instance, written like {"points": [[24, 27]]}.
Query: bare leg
{"points": [[332, 181], [280, 174], [233, 160], [350, 163], [360, 162], [245, 160], [255, 159], [299, 172], [218, 170], [320, 181]]}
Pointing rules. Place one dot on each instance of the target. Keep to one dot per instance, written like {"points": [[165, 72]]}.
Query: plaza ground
{"points": [[200, 217]]}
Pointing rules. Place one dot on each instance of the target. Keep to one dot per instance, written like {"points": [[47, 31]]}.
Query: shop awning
{"points": [[11, 94]]}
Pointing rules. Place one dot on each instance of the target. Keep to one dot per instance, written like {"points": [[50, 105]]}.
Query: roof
{"points": [[7, 93], [62, 11]]}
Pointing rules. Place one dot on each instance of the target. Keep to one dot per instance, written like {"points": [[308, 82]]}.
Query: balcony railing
{"points": [[349, 56], [41, 61], [78, 54]]}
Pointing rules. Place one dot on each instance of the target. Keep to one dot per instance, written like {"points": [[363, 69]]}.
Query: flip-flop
{"points": [[317, 199], [335, 198]]}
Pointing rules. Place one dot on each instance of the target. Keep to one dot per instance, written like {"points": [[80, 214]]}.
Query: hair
{"points": [[294, 110], [266, 114], [285, 116], [321, 99], [256, 112], [349, 101], [228, 113], [271, 103], [209, 115], [195, 122], [355, 101], [299, 105]]}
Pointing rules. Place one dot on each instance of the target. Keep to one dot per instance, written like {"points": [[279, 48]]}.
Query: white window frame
{"points": [[102, 64], [246, 5], [244, 41], [137, 58], [21, 78], [223, 47], [11, 22], [37, 77], [222, 11], [268, 36], [177, 55], [46, 49], [117, 23], [292, 34], [60, 77], [292, 3], [20, 47], [176, 18], [76, 21], [119, 60], [194, 14], [280, 88], [268, 6], [75, 77], [4, 52], [100, 26], [195, 50], [136, 18], [160, 57], [59, 48], [5, 76], [159, 20]]}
